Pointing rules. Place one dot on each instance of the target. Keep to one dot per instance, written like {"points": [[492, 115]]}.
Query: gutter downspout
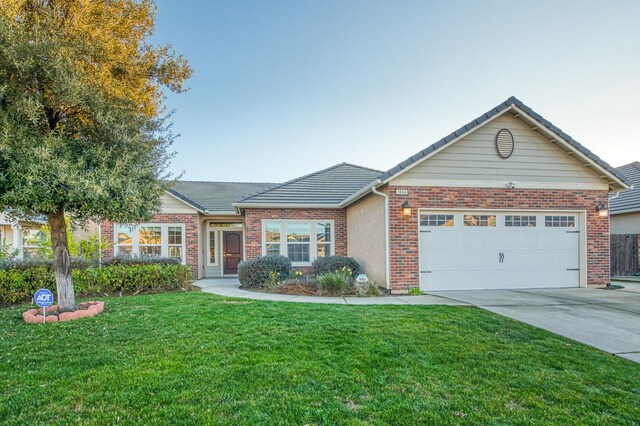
{"points": [[386, 233]]}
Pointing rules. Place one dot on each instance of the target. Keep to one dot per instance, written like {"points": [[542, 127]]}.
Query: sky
{"points": [[284, 88]]}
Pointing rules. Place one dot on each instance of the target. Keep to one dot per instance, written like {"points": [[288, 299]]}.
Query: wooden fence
{"points": [[625, 259]]}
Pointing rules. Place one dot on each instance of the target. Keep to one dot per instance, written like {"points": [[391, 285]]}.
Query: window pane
{"points": [[150, 235], [150, 250], [479, 220], [32, 237], [30, 253], [273, 249], [124, 251], [298, 252], [298, 232], [212, 246], [175, 235], [324, 250], [323, 232], [437, 220], [520, 221], [175, 251], [272, 232], [560, 221]]}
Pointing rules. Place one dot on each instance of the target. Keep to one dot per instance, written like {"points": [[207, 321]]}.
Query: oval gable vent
{"points": [[504, 143]]}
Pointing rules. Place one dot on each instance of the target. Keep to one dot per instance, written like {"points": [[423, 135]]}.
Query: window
{"points": [[213, 258], [437, 220], [323, 238], [560, 221], [32, 239], [520, 221], [298, 241], [151, 239], [479, 220], [175, 242], [301, 241], [272, 238], [124, 240]]}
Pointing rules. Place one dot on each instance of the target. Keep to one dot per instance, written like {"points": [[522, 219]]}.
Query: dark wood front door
{"points": [[232, 248]]}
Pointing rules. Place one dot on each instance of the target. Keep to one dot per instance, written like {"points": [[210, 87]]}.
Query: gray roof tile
{"points": [[629, 200], [484, 117], [214, 196], [327, 187]]}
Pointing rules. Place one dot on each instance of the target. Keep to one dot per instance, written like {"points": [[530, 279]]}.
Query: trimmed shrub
{"points": [[39, 262], [146, 260], [264, 271], [368, 289], [19, 285], [335, 283], [323, 265]]}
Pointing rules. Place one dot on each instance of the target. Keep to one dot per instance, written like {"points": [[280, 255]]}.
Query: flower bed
{"points": [[86, 309]]}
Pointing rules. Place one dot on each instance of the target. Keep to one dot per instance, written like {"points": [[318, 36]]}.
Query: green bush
{"points": [[40, 262], [335, 283], [323, 265], [145, 260], [368, 289], [263, 270], [414, 291], [19, 285]]}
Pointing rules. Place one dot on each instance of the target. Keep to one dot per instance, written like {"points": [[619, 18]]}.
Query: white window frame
{"points": [[313, 243], [164, 238], [24, 246], [216, 233]]}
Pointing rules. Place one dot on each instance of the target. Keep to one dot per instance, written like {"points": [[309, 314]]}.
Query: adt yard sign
{"points": [[43, 298]]}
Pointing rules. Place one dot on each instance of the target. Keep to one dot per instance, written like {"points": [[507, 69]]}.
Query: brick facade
{"points": [[190, 222], [253, 226], [404, 229]]}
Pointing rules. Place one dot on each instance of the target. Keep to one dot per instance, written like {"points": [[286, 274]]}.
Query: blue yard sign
{"points": [[43, 298]]}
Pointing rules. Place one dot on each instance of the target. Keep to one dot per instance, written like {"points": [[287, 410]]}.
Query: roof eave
{"points": [[285, 206], [361, 193], [631, 210], [542, 126]]}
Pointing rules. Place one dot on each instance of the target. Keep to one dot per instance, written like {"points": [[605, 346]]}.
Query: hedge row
{"points": [[18, 285]]}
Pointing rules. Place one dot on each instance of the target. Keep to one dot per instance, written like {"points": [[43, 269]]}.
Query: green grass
{"points": [[194, 358]]}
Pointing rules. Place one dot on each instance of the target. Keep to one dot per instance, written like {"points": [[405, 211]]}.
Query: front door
{"points": [[232, 247]]}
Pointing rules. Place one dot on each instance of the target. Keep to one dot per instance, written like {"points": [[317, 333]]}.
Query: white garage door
{"points": [[475, 250]]}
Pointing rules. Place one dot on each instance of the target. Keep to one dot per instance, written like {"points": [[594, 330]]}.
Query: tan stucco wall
{"points": [[366, 236], [628, 223]]}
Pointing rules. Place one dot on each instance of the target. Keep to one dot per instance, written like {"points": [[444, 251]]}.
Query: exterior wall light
{"points": [[602, 210], [406, 209]]}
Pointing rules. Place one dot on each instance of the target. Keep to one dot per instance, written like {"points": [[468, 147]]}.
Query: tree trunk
{"points": [[61, 261]]}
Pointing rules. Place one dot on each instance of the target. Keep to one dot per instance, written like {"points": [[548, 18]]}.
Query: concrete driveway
{"points": [[605, 319]]}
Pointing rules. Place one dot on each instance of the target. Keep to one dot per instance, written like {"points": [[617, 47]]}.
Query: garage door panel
{"points": [[450, 259], [499, 257]]}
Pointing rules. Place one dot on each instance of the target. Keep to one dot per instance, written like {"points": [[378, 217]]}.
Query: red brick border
{"points": [[404, 229]]}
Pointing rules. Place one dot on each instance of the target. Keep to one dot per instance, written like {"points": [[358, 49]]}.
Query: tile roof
{"points": [[328, 187], [214, 196], [486, 116], [629, 200]]}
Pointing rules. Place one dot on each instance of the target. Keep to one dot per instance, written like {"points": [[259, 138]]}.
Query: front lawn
{"points": [[194, 358]]}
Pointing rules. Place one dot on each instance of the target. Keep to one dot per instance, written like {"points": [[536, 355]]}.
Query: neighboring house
{"points": [[23, 236], [625, 208], [506, 201]]}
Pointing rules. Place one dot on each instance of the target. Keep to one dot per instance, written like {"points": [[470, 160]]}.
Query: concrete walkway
{"points": [[230, 287], [605, 319]]}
